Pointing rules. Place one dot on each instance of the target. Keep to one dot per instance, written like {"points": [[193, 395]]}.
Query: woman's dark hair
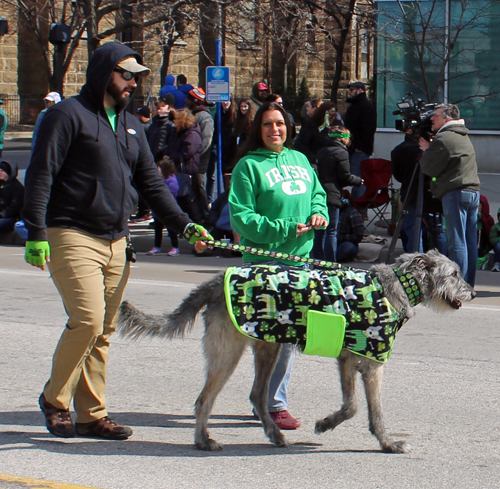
{"points": [[319, 116], [244, 122], [254, 138], [272, 97], [229, 116], [338, 129]]}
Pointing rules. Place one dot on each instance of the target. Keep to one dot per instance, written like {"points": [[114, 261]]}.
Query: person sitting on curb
{"points": [[350, 230], [495, 243], [11, 197]]}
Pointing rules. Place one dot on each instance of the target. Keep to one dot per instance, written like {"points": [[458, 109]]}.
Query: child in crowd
{"points": [[495, 243], [484, 224], [350, 230], [166, 168]]}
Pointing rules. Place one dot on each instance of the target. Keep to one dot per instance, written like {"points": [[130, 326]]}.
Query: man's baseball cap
{"points": [[131, 64], [53, 97], [168, 99], [262, 86], [144, 111], [198, 94], [357, 84]]}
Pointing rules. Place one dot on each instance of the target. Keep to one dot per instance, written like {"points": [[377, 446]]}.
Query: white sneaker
{"points": [[154, 251], [173, 252], [496, 267]]}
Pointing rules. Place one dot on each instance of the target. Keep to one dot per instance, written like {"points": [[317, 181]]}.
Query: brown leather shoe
{"points": [[103, 428], [57, 421]]}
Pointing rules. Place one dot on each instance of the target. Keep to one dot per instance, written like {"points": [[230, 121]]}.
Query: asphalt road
{"points": [[440, 393]]}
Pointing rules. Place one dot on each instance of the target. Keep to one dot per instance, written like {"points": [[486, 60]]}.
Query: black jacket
{"points": [[158, 134], [11, 194], [310, 140], [334, 171], [81, 170], [405, 157], [361, 119]]}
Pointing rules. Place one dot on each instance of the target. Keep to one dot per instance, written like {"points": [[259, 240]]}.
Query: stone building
{"points": [[258, 43]]}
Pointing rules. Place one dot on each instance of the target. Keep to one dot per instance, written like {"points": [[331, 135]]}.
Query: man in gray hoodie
{"points": [[450, 160]]}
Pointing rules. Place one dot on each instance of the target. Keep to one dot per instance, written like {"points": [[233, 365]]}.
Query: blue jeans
{"points": [[280, 378], [408, 230], [355, 163], [318, 251], [460, 212], [347, 251], [437, 235], [21, 230], [496, 250], [7, 224], [330, 239], [278, 384]]}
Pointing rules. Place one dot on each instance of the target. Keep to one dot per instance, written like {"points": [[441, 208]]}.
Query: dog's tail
{"points": [[134, 324]]}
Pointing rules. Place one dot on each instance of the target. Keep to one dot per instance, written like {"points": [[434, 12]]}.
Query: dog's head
{"points": [[439, 278]]}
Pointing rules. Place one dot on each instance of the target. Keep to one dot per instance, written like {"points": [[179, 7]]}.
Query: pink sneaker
{"points": [[284, 420], [173, 252], [154, 251]]}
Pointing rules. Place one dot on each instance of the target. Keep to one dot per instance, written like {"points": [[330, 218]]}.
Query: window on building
{"points": [[441, 51]]}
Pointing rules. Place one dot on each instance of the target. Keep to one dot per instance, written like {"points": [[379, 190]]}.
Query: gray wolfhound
{"points": [[434, 280]]}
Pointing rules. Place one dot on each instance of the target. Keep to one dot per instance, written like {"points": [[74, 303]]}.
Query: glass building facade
{"points": [[441, 51]]}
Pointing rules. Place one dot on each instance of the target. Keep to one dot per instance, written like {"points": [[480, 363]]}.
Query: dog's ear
{"points": [[422, 260]]}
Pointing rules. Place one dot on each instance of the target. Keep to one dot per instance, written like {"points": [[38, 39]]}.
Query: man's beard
{"points": [[119, 96]]}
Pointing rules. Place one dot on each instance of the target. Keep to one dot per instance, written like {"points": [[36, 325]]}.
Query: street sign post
{"points": [[217, 90]]}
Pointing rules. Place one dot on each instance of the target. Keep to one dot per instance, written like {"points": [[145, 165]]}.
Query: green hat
{"points": [[498, 211]]}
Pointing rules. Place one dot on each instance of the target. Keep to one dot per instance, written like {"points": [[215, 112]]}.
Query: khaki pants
{"points": [[90, 273]]}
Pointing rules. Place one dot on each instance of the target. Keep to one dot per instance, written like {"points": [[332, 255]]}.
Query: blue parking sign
{"points": [[217, 84]]}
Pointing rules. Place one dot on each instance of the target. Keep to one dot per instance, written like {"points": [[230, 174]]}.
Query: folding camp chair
{"points": [[377, 176]]}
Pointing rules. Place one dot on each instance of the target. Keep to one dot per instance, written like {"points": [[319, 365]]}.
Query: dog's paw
{"points": [[276, 437], [209, 445], [396, 447]]}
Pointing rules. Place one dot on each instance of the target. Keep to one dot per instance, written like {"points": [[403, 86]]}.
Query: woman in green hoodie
{"points": [[276, 202]]}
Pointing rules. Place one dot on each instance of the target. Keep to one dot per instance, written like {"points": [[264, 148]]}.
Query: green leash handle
{"points": [[275, 255]]}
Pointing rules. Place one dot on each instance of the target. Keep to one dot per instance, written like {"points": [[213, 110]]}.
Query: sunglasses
{"points": [[128, 75]]}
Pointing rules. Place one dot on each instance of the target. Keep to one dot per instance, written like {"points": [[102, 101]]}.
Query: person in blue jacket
{"points": [[170, 87]]}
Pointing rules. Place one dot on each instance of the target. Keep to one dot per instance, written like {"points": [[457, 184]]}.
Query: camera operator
{"points": [[405, 158], [449, 159]]}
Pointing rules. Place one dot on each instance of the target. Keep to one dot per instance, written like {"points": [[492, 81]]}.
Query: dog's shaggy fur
{"points": [[442, 288]]}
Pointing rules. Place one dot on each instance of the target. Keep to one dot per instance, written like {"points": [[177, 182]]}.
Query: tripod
{"points": [[404, 213]]}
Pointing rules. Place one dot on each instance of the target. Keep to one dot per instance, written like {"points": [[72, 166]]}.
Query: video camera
{"points": [[416, 115]]}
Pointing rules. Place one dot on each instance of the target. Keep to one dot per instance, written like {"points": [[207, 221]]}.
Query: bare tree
{"points": [[94, 20], [435, 47]]}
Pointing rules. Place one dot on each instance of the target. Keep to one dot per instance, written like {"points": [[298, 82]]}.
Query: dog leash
{"points": [[273, 254]]}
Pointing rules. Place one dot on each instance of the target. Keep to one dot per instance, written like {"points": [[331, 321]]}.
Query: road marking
{"points": [[480, 307], [14, 482]]}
